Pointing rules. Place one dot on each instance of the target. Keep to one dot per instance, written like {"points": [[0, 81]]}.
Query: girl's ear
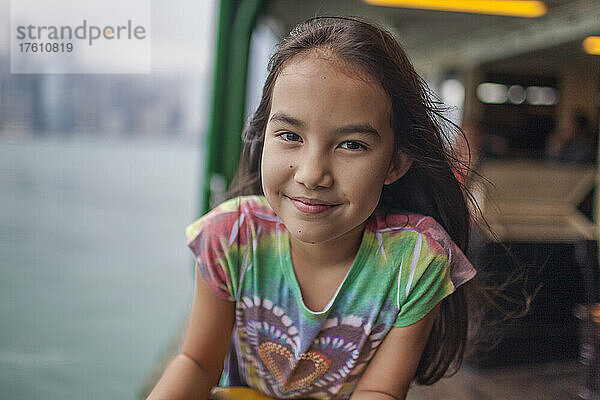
{"points": [[397, 170]]}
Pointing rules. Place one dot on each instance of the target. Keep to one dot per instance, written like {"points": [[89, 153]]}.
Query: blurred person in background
{"points": [[574, 141]]}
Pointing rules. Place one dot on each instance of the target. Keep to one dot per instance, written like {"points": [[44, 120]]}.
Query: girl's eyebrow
{"points": [[364, 128]]}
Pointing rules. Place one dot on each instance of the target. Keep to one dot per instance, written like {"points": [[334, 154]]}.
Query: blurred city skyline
{"points": [[171, 101]]}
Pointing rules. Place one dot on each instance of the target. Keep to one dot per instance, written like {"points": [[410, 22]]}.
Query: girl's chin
{"points": [[308, 236]]}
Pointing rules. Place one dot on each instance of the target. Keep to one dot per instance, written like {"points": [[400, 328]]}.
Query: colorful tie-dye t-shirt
{"points": [[405, 265]]}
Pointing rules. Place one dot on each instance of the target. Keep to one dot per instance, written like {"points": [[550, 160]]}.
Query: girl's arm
{"points": [[391, 370], [193, 373]]}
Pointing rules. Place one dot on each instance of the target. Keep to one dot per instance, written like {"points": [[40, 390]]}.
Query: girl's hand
{"points": [[392, 369]]}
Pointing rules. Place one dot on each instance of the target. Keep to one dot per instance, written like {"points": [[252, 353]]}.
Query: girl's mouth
{"points": [[311, 206]]}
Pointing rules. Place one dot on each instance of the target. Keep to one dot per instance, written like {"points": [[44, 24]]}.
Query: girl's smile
{"points": [[327, 150], [311, 206]]}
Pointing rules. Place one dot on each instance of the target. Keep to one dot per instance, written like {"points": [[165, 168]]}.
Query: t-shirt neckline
{"points": [[289, 274]]}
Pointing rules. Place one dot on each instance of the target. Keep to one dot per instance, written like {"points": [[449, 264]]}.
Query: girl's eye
{"points": [[350, 145], [290, 137]]}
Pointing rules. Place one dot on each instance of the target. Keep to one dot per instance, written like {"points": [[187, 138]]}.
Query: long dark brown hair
{"points": [[430, 186]]}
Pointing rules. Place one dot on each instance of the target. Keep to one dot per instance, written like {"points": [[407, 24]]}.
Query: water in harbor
{"points": [[95, 276]]}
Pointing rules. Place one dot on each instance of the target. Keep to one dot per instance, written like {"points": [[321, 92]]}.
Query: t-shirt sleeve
{"points": [[424, 280], [212, 240]]}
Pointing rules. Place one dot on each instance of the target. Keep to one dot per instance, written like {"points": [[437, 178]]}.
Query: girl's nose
{"points": [[313, 172]]}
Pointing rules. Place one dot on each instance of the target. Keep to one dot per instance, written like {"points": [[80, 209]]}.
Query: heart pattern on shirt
{"points": [[271, 344], [311, 366]]}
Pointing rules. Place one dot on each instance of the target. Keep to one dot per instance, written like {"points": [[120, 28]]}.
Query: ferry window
{"points": [[99, 176]]}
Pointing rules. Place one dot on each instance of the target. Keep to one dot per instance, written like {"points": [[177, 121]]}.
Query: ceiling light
{"points": [[516, 94], [492, 93], [591, 45], [529, 9], [541, 96]]}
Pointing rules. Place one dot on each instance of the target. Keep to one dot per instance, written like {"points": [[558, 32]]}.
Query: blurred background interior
{"points": [[99, 175]]}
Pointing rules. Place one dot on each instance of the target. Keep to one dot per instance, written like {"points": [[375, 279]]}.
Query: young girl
{"points": [[338, 275]]}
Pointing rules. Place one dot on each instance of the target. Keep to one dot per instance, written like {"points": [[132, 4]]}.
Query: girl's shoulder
{"points": [[235, 212], [400, 222], [397, 224]]}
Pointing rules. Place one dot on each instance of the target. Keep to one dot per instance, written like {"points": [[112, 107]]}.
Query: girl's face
{"points": [[327, 150]]}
